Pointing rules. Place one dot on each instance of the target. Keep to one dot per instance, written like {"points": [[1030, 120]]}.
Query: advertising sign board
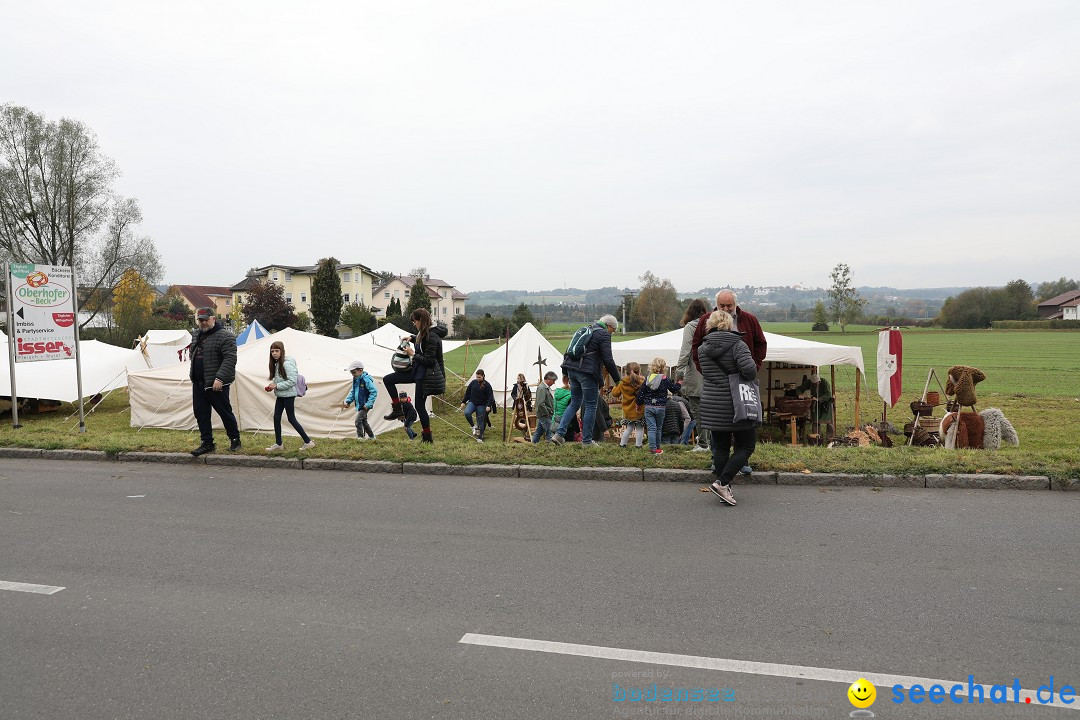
{"points": [[42, 312]]}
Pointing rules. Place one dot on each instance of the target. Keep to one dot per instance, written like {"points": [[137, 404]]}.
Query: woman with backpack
{"points": [[283, 375], [426, 370]]}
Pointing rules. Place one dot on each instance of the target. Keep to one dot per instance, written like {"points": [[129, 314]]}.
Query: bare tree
{"points": [[58, 207]]}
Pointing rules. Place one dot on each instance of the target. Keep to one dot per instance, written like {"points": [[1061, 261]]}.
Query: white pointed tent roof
{"points": [[104, 367], [162, 347], [389, 335], [524, 347], [161, 397], [167, 337], [781, 348]]}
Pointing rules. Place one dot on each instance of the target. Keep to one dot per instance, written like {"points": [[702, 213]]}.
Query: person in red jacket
{"points": [[745, 323]]}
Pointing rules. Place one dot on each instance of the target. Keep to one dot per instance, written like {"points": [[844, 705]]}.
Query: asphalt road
{"points": [[238, 593]]}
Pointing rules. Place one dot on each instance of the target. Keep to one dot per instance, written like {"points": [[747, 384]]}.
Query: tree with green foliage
{"points": [[303, 322], [657, 305], [522, 314], [821, 317], [266, 303], [171, 308], [358, 318], [418, 298], [326, 297], [1054, 288], [1017, 302], [846, 303], [979, 307], [393, 309]]}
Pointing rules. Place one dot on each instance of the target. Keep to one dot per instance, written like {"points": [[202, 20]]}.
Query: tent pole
{"points": [[506, 374], [858, 378], [832, 419]]}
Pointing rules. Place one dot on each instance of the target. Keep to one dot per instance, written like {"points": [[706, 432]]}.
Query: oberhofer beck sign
{"points": [[43, 312]]}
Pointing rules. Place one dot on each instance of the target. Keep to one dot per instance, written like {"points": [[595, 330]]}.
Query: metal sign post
{"points": [[11, 358]]}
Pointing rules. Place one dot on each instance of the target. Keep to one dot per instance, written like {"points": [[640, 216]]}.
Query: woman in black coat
{"points": [[426, 371], [724, 353]]}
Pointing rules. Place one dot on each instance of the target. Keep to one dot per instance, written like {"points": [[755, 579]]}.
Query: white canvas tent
{"points": [[781, 349], [161, 397], [104, 367], [523, 349], [163, 347]]}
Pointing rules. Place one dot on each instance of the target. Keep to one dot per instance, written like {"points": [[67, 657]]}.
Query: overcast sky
{"points": [[537, 145]]}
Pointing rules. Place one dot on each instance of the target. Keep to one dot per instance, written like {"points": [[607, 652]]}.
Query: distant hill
{"points": [[800, 296]]}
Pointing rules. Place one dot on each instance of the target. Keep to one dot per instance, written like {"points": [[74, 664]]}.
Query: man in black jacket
{"points": [[213, 369]]}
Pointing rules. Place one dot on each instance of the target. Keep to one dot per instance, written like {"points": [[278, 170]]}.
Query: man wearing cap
{"points": [[213, 369], [363, 393]]}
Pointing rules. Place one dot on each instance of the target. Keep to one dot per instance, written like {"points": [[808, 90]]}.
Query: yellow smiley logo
{"points": [[862, 694]]}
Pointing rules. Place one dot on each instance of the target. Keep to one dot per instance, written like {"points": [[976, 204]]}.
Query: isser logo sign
{"points": [[37, 292], [41, 348]]}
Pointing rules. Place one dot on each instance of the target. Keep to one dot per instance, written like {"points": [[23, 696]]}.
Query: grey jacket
{"points": [[723, 353], [545, 402], [691, 378], [218, 355]]}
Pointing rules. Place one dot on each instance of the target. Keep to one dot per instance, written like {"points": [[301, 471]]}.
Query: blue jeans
{"points": [[584, 391], [481, 417], [654, 421], [685, 439], [543, 429]]}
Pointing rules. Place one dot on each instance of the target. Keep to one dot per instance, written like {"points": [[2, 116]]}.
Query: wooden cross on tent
{"points": [[540, 363]]}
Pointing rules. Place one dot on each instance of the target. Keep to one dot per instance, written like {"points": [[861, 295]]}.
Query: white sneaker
{"points": [[480, 440], [474, 429], [275, 447], [308, 445], [699, 448], [723, 492]]}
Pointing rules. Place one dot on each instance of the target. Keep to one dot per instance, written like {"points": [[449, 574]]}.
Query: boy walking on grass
{"points": [[362, 393]]}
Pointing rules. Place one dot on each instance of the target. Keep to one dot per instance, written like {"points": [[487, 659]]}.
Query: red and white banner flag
{"points": [[890, 352]]}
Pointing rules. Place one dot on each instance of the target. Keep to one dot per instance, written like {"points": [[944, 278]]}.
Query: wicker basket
{"points": [[922, 408], [933, 398], [794, 406]]}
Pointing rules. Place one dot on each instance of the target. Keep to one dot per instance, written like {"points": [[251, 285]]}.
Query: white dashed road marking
{"points": [[29, 587], [746, 666]]}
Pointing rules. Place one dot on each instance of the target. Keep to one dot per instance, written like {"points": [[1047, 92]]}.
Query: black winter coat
{"points": [[428, 361], [723, 353], [218, 350]]}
